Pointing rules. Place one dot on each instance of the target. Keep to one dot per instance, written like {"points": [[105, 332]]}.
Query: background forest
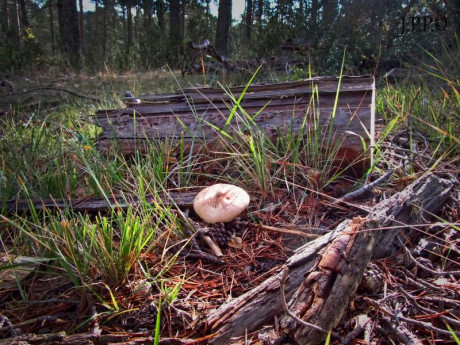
{"points": [[37, 35]]}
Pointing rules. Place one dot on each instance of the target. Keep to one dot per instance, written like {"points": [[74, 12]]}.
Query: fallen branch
{"points": [[367, 187], [421, 324], [285, 231], [58, 89], [423, 267]]}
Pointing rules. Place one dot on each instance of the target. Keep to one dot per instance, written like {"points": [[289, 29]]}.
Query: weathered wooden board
{"points": [[286, 106]]}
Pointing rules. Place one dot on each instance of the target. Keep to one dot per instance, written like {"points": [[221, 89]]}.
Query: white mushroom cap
{"points": [[220, 203]]}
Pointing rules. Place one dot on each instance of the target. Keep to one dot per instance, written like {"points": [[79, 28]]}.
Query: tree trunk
{"points": [[5, 18], [148, 13], [129, 27], [137, 24], [314, 13], [329, 14], [260, 9], [82, 27], [313, 23], [17, 22], [161, 15], [182, 20], [248, 19], [51, 14], [123, 13], [224, 21], [24, 17], [208, 16], [69, 31], [104, 31], [174, 28]]}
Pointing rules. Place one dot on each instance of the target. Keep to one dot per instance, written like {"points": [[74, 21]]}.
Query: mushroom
{"points": [[220, 203]]}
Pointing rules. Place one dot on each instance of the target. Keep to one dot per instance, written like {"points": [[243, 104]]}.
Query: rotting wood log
{"points": [[340, 272], [194, 114], [330, 284]]}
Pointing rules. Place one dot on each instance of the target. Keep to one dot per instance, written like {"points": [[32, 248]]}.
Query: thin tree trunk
{"points": [[82, 28], [182, 20], [51, 14], [148, 13], [260, 8], [174, 28], [17, 26], [24, 17], [329, 14], [5, 16], [224, 21], [314, 12], [248, 19], [104, 31], [17, 22], [137, 24], [69, 32], [160, 7], [313, 24], [123, 12], [208, 16], [129, 27]]}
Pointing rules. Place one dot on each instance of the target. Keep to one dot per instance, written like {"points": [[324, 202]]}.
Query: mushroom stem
{"points": [[214, 247]]}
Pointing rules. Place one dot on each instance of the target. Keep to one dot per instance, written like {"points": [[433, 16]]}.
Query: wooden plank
{"points": [[194, 113], [166, 126], [257, 101]]}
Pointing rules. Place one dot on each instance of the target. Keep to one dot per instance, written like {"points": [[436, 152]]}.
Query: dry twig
{"points": [[422, 324]]}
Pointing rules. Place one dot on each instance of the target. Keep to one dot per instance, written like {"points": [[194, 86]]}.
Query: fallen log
{"points": [[303, 107], [324, 273]]}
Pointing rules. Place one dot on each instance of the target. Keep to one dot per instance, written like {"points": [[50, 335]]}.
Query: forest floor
{"points": [[116, 277]]}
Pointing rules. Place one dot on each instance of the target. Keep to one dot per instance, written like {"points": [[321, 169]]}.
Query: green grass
{"points": [[424, 111]]}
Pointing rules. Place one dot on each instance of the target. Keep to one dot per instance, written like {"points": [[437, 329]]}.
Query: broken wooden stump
{"points": [[324, 274], [339, 111]]}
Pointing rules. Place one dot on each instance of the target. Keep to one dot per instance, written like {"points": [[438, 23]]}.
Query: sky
{"points": [[237, 9]]}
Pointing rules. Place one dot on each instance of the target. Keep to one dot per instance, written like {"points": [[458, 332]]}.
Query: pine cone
{"points": [[222, 236]]}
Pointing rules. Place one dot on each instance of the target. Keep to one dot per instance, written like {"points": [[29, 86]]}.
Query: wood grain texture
{"points": [[193, 114]]}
